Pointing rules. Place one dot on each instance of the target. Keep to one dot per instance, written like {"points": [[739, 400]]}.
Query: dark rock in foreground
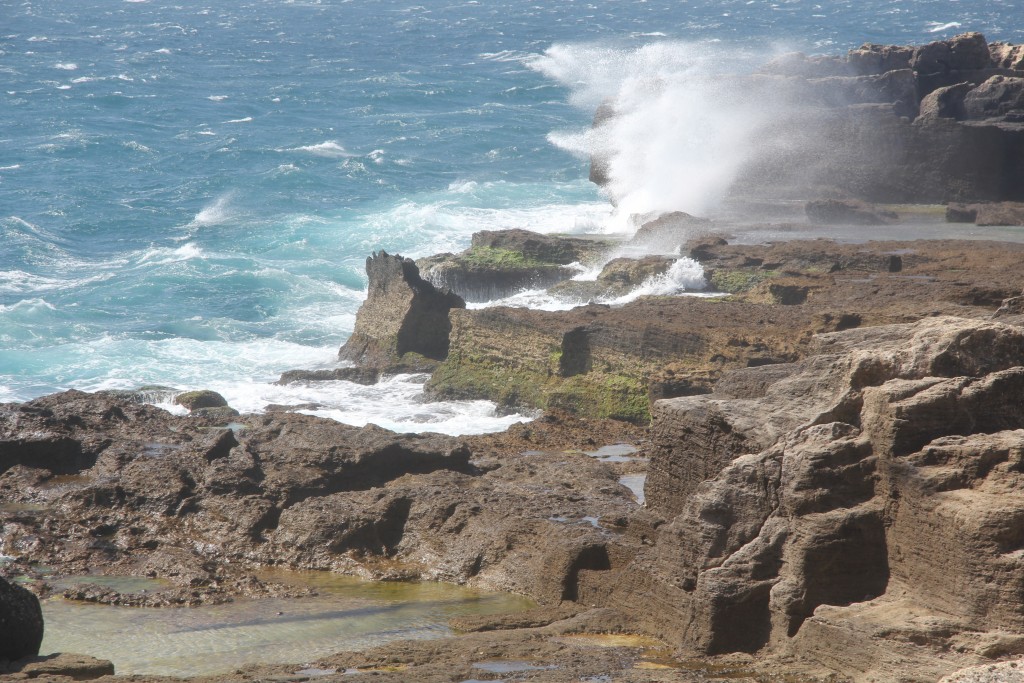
{"points": [[21, 622]]}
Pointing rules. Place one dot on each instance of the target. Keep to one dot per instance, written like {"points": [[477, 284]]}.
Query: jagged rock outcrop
{"points": [[21, 622], [404, 318], [861, 507]]}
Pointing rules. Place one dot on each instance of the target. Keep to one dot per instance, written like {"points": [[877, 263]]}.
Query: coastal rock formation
{"points": [[850, 507], [404, 319], [604, 361], [21, 622], [499, 263], [138, 491]]}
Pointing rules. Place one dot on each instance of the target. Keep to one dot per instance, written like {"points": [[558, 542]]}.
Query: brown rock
{"points": [[65, 666], [833, 211], [403, 314], [866, 498], [999, 96], [946, 102], [1007, 56]]}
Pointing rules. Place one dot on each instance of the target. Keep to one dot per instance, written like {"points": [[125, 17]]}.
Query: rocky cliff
{"points": [[861, 507]]}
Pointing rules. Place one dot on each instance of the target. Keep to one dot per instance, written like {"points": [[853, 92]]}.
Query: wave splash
{"points": [[681, 133]]}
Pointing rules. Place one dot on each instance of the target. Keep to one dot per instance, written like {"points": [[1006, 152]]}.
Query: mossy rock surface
{"points": [[194, 400]]}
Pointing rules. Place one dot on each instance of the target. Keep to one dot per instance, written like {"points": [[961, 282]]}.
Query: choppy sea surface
{"points": [[188, 190]]}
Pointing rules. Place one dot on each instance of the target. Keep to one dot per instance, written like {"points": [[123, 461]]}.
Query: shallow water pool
{"points": [[348, 613]]}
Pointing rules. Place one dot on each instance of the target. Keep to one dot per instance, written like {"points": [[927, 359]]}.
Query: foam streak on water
{"points": [[188, 191]]}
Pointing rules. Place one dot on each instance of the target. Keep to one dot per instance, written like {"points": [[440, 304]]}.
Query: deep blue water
{"points": [[188, 191]]}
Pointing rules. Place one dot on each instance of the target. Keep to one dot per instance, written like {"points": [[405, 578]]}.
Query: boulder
{"points": [[964, 52], [403, 317], [666, 233], [989, 213], [21, 622], [871, 59], [946, 102], [195, 400], [999, 96]]}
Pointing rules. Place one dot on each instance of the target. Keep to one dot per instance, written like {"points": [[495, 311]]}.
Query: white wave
{"points": [[217, 98], [505, 56], [21, 282], [161, 51], [245, 372], [460, 186], [137, 146], [12, 167], [82, 79], [66, 66], [247, 119], [681, 133], [30, 306], [162, 256], [331, 149], [936, 27], [447, 222], [217, 212], [685, 275]]}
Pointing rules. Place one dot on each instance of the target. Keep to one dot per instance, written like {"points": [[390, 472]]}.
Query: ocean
{"points": [[189, 190]]}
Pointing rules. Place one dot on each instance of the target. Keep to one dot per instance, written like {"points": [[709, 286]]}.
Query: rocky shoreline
{"points": [[832, 444]]}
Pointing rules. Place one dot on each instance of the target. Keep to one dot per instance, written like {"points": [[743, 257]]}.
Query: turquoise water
{"points": [[188, 191]]}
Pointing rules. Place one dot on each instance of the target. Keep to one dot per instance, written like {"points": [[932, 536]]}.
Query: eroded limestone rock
{"points": [[863, 501]]}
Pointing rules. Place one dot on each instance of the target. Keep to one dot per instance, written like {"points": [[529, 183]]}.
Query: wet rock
{"points": [[992, 213], [833, 211], [21, 622], [500, 263], [403, 317], [194, 400], [666, 233], [63, 666], [359, 375]]}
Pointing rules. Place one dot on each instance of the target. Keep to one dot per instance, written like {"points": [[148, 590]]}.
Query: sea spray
{"points": [[682, 121]]}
